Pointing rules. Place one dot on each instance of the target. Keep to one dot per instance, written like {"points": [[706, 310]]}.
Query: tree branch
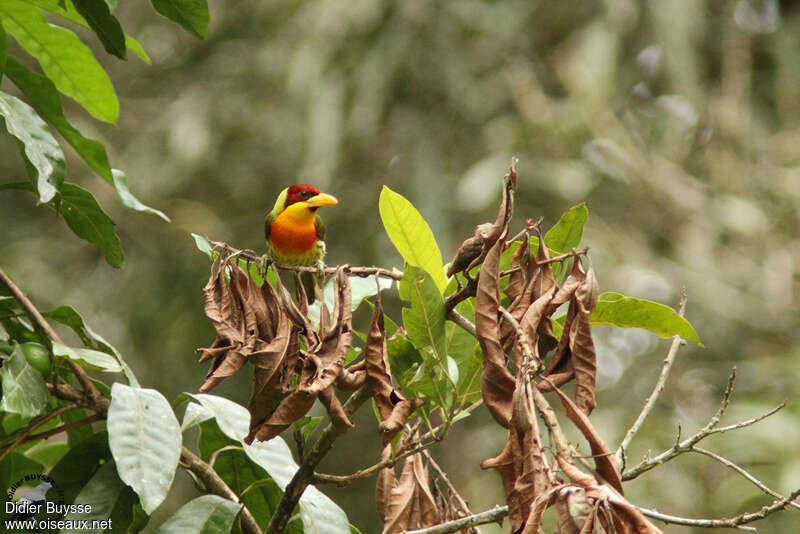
{"points": [[39, 320], [302, 478], [677, 342], [730, 522], [688, 444], [495, 515], [25, 433], [217, 486]]}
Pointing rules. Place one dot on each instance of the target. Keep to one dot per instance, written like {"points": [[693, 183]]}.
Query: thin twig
{"points": [[688, 444], [65, 427], [345, 480], [250, 256], [443, 477], [462, 321], [746, 474], [217, 486], [25, 433], [305, 473], [729, 522], [38, 319], [677, 342], [495, 515]]}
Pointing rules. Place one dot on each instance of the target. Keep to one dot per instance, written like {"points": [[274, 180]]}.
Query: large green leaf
{"points": [[620, 310], [91, 359], [191, 14], [411, 235], [80, 464], [63, 57], [567, 233], [425, 319], [44, 97], [318, 513], [208, 514], [24, 390], [71, 318], [127, 198], [241, 473], [102, 494], [39, 145], [88, 220], [104, 24], [145, 439], [65, 8], [2, 52]]}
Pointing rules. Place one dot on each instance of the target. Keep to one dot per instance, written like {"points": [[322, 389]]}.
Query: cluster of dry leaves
{"points": [[522, 358], [295, 363]]}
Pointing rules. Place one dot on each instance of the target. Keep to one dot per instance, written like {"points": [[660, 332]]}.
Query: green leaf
{"points": [[63, 57], [306, 425], [101, 493], [208, 514], [191, 14], [16, 466], [44, 97], [461, 346], [67, 10], [136, 47], [39, 145], [127, 198], [411, 235], [104, 24], [568, 231], [69, 317], [24, 390], [2, 52], [202, 244], [145, 439], [360, 289], [80, 464], [49, 454], [425, 319], [317, 511], [616, 309], [240, 473], [88, 220], [91, 359]]}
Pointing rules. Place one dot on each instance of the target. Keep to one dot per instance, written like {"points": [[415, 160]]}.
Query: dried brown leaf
{"points": [[410, 504], [572, 510], [470, 249], [352, 377], [497, 384], [605, 460], [393, 407], [341, 422]]}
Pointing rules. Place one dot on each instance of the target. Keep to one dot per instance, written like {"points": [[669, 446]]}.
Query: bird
{"points": [[30, 504], [295, 233]]}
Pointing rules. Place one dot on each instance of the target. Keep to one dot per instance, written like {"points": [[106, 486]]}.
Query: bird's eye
{"points": [[305, 194]]}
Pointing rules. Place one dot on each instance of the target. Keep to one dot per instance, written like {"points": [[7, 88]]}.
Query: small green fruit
{"points": [[38, 357]]}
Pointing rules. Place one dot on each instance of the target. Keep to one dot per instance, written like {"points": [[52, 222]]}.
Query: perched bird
{"points": [[295, 234]]}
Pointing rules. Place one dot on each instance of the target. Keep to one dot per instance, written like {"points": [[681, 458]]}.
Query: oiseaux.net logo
{"points": [[42, 508]]}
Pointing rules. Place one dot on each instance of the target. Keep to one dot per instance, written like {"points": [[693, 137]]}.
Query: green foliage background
{"points": [[677, 123]]}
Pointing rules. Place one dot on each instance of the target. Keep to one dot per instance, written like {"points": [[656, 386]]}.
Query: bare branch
{"points": [[495, 515], [304, 475], [462, 321], [677, 342], [729, 522], [38, 319], [217, 486], [746, 474], [250, 256], [443, 477], [26, 433], [688, 444]]}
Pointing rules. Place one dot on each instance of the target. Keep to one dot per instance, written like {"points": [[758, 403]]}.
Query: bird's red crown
{"points": [[300, 193]]}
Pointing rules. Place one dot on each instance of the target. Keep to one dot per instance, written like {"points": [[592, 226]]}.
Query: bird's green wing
{"points": [[276, 209], [320, 228]]}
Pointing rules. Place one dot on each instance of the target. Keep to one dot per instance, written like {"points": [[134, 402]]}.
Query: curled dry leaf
{"points": [[497, 384], [393, 407], [407, 503], [319, 367], [522, 464]]}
